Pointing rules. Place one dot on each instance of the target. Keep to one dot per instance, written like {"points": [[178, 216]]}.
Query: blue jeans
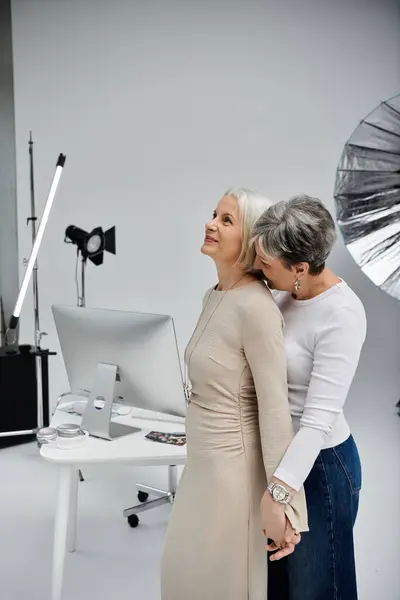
{"points": [[323, 566]]}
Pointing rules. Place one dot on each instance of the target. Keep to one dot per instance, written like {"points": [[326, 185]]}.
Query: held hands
{"points": [[277, 527], [291, 540]]}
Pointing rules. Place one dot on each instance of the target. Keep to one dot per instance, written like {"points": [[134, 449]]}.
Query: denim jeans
{"points": [[322, 566]]}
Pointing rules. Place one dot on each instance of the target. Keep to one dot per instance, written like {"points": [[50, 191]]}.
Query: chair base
{"points": [[161, 496]]}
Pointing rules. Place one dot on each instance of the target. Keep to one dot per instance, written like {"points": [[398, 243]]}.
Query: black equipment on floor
{"points": [[24, 392]]}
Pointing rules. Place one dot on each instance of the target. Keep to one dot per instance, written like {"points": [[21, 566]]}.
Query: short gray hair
{"points": [[298, 230], [251, 206]]}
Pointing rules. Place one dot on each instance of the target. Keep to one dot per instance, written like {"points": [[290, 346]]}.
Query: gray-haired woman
{"points": [[325, 328]]}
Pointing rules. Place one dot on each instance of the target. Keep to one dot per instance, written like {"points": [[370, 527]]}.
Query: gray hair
{"points": [[251, 206], [298, 230]]}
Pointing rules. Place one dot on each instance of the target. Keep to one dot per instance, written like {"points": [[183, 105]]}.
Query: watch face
{"points": [[279, 493]]}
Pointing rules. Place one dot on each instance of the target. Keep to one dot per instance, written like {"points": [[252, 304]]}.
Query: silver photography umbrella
{"points": [[367, 196]]}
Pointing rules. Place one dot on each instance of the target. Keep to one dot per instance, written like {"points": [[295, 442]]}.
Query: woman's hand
{"points": [[273, 519], [277, 528], [291, 540]]}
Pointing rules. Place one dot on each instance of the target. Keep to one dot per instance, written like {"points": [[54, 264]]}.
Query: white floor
{"points": [[116, 561]]}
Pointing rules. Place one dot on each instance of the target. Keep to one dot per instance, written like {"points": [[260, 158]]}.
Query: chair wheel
{"points": [[133, 520], [142, 496]]}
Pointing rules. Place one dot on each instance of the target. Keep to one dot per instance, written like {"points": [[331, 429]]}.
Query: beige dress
{"points": [[238, 427]]}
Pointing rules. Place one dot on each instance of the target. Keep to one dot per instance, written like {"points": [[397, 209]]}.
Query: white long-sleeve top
{"points": [[323, 338]]}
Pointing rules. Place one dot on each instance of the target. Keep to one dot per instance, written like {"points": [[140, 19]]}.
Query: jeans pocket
{"points": [[349, 460]]}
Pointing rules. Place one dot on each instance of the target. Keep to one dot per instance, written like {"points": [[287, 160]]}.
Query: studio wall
{"points": [[160, 106]]}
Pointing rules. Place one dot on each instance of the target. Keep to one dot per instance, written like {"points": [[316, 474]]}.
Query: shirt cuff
{"points": [[288, 478]]}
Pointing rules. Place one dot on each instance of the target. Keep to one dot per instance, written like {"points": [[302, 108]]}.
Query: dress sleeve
{"points": [[336, 355], [264, 349]]}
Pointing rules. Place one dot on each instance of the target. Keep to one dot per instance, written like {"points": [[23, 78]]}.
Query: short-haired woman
{"points": [[325, 328], [238, 426]]}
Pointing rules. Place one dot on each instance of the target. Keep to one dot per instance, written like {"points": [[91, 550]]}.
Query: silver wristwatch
{"points": [[279, 493]]}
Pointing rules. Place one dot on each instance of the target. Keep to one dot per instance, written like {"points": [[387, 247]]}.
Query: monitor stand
{"points": [[97, 421]]}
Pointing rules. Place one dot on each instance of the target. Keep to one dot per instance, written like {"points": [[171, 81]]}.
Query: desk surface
{"points": [[133, 448]]}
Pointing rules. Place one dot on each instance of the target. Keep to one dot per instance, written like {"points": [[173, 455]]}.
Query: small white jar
{"points": [[70, 436], [46, 435]]}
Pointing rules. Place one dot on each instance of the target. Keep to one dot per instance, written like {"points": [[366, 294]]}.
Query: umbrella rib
{"points": [[397, 112], [366, 171], [382, 129], [372, 149]]}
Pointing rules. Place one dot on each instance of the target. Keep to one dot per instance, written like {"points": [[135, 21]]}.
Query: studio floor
{"points": [[113, 560]]}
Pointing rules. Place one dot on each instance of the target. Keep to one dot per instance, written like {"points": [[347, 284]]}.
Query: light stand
{"points": [[33, 219], [89, 245], [81, 293], [19, 358], [82, 299], [37, 332]]}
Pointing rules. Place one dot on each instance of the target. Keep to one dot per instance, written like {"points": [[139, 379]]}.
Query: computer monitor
{"points": [[116, 356]]}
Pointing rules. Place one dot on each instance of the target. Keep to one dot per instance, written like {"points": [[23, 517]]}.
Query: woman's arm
{"points": [[264, 348], [336, 357]]}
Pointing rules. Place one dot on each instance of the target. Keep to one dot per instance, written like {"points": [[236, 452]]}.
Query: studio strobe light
{"points": [[90, 245]]}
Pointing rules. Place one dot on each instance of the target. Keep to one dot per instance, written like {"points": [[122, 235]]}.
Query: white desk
{"points": [[132, 449]]}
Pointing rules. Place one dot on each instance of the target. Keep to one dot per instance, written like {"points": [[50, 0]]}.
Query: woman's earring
{"points": [[297, 285]]}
